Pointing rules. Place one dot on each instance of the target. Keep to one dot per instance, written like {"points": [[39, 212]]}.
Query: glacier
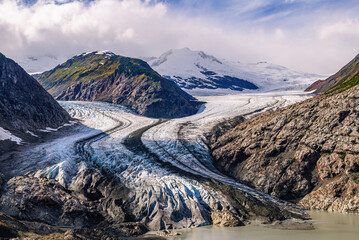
{"points": [[164, 164]]}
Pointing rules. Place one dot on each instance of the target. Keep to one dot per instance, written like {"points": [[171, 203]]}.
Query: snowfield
{"points": [[157, 159]]}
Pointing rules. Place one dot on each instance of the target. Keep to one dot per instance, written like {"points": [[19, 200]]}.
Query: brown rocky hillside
{"points": [[307, 152]]}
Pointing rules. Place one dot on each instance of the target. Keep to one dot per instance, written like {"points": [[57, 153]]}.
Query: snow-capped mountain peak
{"points": [[196, 69]]}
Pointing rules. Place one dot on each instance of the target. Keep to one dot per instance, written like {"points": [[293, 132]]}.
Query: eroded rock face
{"points": [[290, 152]]}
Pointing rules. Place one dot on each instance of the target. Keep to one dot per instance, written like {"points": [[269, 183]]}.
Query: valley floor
{"points": [[164, 164]]}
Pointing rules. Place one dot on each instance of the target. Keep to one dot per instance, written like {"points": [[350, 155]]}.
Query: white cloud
{"points": [[347, 28], [147, 28]]}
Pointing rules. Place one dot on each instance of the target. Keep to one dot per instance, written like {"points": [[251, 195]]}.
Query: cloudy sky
{"points": [[317, 36]]}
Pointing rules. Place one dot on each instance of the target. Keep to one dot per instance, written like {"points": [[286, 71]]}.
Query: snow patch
{"points": [[35, 73], [48, 129], [105, 52], [6, 135], [31, 133], [86, 53]]}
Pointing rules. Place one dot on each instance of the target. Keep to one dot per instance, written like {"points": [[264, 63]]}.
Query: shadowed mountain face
{"points": [[24, 104], [104, 76], [346, 78], [307, 152]]}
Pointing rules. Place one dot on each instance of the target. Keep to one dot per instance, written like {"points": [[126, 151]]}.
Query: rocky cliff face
{"points": [[307, 152], [24, 104], [104, 76]]}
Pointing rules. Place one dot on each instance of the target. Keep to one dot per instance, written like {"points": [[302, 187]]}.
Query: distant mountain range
{"points": [[105, 76], [198, 70]]}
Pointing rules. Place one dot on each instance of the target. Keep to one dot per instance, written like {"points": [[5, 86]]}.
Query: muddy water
{"points": [[328, 226]]}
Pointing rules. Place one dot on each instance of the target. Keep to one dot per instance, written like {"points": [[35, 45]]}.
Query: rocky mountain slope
{"points": [[104, 76], [307, 152], [347, 77], [196, 69], [24, 105]]}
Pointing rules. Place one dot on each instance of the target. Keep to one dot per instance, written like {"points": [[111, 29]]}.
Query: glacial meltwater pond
{"points": [[328, 226]]}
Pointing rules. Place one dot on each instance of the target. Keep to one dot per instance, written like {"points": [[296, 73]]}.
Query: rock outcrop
{"points": [[79, 206], [104, 76], [307, 152], [12, 228], [93, 204], [24, 104]]}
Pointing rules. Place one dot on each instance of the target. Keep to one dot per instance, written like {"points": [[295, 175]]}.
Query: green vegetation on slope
{"points": [[344, 84], [345, 78], [90, 68], [94, 67]]}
